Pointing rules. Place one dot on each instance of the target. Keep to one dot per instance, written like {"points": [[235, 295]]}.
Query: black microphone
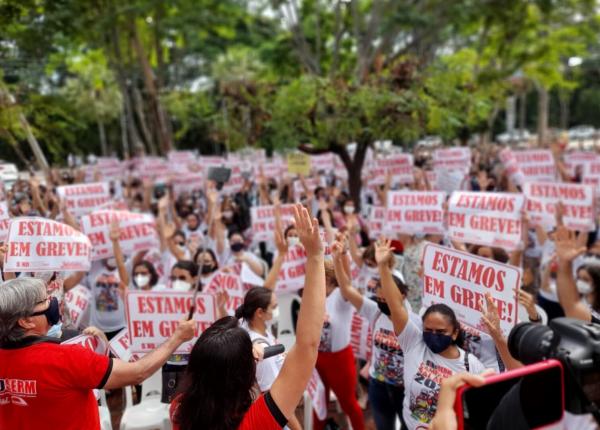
{"points": [[271, 351]]}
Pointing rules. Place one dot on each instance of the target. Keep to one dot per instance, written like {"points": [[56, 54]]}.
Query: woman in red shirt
{"points": [[219, 385]]}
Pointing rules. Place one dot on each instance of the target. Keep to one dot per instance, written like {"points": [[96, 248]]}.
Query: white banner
{"points": [[4, 221], [77, 303], [230, 283], [360, 337], [490, 219], [399, 166], [414, 212], [461, 280], [187, 182], [93, 343], [263, 221], [121, 347], [291, 275], [153, 316], [377, 216], [318, 398], [458, 158], [577, 199], [41, 245], [536, 164], [82, 199]]}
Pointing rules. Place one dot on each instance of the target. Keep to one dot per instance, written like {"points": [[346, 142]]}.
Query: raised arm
{"points": [[282, 249], [349, 293], [288, 388], [353, 229], [568, 296], [393, 296], [115, 233], [491, 319]]}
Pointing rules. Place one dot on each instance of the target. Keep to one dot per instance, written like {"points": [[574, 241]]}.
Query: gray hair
{"points": [[18, 298]]}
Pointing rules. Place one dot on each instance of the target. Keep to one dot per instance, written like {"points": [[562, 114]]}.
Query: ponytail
{"points": [[239, 312], [256, 298]]}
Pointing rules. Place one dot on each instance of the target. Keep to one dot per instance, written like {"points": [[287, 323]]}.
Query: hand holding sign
{"points": [[185, 330], [308, 231]]}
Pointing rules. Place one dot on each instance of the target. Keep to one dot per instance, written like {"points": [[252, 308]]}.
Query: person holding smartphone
{"points": [[431, 353]]}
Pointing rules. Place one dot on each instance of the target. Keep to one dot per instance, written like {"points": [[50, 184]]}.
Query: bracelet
{"points": [[536, 320]]}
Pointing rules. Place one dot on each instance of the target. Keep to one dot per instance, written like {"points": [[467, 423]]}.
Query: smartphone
{"points": [[527, 398]]}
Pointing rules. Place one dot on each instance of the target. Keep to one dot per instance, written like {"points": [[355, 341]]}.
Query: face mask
{"points": [[227, 214], [207, 268], [383, 306], [52, 314], [275, 313], [142, 280], [237, 246], [55, 331], [293, 241], [583, 287], [179, 285], [111, 263], [349, 210], [436, 342]]}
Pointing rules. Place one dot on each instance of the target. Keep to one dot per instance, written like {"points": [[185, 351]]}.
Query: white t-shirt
{"points": [[266, 370], [387, 360], [107, 307], [335, 335], [423, 373]]}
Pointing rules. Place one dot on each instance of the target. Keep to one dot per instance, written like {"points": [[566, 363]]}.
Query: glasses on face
{"points": [[178, 278]]}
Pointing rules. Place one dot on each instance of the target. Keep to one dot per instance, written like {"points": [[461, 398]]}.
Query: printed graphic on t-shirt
{"points": [[16, 391], [389, 360], [426, 384], [472, 341], [107, 293], [326, 336], [372, 286]]}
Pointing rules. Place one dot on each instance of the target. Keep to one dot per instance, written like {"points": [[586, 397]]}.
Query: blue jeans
{"points": [[386, 402]]}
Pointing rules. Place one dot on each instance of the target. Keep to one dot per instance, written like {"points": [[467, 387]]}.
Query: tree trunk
{"points": [[543, 105], [354, 167], [165, 141], [522, 113], [124, 141], [139, 109], [102, 134], [563, 98]]}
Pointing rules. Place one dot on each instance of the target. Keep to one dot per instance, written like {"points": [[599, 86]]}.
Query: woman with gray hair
{"points": [[41, 380]]}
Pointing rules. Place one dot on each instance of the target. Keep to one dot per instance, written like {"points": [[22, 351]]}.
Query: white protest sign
{"points": [[187, 182], [536, 164], [580, 159], [360, 337], [40, 245], [153, 316], [377, 216], [489, 219], [458, 158], [322, 162], [138, 232], [181, 157], [236, 180], [291, 275], [77, 303], [591, 174], [318, 398], [450, 180], [4, 221], [461, 280], [93, 343], [121, 348], [82, 199], [231, 284], [577, 199], [414, 212], [511, 166], [263, 221], [398, 166]]}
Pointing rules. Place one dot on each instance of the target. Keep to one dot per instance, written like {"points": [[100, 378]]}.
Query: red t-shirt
{"points": [[262, 415], [47, 385]]}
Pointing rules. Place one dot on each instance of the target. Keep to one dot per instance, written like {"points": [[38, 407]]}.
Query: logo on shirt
{"points": [[424, 394], [13, 391]]}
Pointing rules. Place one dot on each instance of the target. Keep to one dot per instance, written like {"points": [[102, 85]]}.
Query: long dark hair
{"points": [[150, 267], [216, 389], [446, 311], [256, 298], [594, 272]]}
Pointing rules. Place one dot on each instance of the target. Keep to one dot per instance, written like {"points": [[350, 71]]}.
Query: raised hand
{"points": [[308, 231], [528, 303], [383, 252], [566, 245], [281, 243], [115, 231], [490, 316]]}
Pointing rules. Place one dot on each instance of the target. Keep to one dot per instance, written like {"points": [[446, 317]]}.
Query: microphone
{"points": [[271, 351]]}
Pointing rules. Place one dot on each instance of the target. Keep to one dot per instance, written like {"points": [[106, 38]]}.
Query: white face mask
{"points": [[275, 313], [111, 263], [227, 214], [179, 285], [293, 241], [142, 280], [584, 287], [349, 210]]}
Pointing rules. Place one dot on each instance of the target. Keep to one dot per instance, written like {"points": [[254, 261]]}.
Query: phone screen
{"points": [[524, 402]]}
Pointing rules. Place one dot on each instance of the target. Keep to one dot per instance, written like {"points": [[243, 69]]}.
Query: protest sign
{"points": [[187, 182], [316, 392], [398, 166], [536, 164], [450, 180], [4, 221], [232, 284], [511, 166], [414, 212], [377, 216], [153, 316], [41, 245], [322, 162], [181, 157], [236, 180], [578, 159], [138, 232], [272, 170], [120, 347], [360, 337], [77, 303], [93, 343], [461, 280], [291, 275], [458, 158], [263, 221], [577, 199], [298, 163], [311, 184], [81, 199], [591, 174], [489, 219]]}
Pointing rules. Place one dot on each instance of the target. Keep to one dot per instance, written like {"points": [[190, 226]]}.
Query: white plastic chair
{"points": [[105, 420], [286, 335], [150, 413], [308, 412]]}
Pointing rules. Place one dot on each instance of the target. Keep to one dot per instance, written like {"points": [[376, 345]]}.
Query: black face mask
{"points": [[52, 314], [383, 306], [207, 268], [237, 247]]}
